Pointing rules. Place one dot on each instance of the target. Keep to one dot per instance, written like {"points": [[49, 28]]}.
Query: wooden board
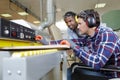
{"points": [[42, 47]]}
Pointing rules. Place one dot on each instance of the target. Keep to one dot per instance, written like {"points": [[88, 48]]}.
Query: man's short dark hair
{"points": [[69, 13]]}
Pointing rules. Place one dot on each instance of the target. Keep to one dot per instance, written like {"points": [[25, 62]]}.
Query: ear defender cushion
{"points": [[76, 19], [91, 22]]}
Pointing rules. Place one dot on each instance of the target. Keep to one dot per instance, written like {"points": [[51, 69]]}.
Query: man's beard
{"points": [[78, 32]]}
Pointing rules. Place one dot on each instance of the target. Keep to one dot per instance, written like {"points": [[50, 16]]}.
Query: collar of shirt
{"points": [[95, 34]]}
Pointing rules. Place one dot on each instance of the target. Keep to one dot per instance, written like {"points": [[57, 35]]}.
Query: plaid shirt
{"points": [[103, 50]]}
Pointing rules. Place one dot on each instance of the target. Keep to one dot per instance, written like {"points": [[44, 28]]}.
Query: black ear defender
{"points": [[89, 17]]}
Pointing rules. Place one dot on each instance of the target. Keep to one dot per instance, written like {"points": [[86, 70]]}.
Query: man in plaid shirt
{"points": [[103, 44]]}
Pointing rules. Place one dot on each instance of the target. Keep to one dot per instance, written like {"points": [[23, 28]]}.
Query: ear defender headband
{"points": [[89, 17]]}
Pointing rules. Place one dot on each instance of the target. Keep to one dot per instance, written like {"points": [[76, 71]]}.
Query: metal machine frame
{"points": [[33, 67]]}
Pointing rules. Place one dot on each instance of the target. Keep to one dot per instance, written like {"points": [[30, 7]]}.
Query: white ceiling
{"points": [[63, 5], [7, 7]]}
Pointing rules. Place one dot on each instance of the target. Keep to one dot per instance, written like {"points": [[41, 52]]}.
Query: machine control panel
{"points": [[11, 30]]}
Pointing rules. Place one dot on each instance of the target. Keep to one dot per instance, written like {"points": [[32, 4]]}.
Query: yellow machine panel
{"points": [[11, 43], [32, 53]]}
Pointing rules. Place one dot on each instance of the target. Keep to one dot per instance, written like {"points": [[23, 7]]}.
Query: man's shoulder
{"points": [[104, 28]]}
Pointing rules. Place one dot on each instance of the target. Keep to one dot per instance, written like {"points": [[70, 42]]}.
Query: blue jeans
{"points": [[83, 74], [69, 73]]}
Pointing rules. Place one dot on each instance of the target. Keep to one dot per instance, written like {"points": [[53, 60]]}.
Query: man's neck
{"points": [[91, 31]]}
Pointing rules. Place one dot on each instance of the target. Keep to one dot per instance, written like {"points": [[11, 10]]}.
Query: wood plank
{"points": [[42, 47]]}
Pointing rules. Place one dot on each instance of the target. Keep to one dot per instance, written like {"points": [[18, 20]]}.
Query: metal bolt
{"points": [[19, 72], [9, 72]]}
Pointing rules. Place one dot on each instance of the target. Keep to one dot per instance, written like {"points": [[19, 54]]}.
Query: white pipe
{"points": [[50, 16]]}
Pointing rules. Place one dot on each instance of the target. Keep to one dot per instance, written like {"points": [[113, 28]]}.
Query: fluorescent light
{"points": [[36, 22], [22, 13], [6, 15], [100, 5]]}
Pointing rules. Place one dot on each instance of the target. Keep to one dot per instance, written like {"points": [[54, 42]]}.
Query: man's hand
{"points": [[41, 39], [38, 37], [72, 45], [65, 42], [69, 43]]}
